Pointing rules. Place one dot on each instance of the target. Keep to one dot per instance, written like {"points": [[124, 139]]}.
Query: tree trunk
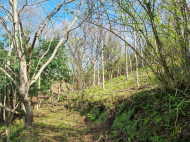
{"points": [[4, 100], [141, 48], [94, 74], [136, 61], [98, 74], [24, 92], [102, 65], [93, 63], [59, 91], [118, 70], [29, 112], [126, 59], [130, 64], [4, 103]]}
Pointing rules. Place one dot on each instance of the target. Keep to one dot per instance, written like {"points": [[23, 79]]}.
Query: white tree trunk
{"points": [[23, 89], [130, 64], [4, 102], [126, 59], [141, 48], [142, 59], [59, 91], [98, 74], [136, 60], [118, 70], [102, 58], [94, 74]]}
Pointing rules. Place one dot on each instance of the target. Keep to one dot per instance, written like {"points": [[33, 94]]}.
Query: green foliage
{"points": [[93, 115], [103, 116], [149, 117], [123, 121], [63, 98], [57, 70], [16, 130]]}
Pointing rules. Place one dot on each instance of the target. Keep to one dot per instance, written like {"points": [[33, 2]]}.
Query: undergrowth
{"points": [[153, 116], [142, 114]]}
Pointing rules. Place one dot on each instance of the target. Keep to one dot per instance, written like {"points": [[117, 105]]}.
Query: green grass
{"points": [[138, 113], [117, 87]]}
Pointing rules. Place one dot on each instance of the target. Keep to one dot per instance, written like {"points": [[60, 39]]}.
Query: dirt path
{"points": [[59, 124]]}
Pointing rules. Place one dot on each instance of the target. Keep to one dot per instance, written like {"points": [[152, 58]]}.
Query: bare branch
{"points": [[44, 22], [26, 4], [36, 3], [8, 109], [7, 11], [47, 13], [3, 23]]}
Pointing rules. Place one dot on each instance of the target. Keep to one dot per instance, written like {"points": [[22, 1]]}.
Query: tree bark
{"points": [[136, 61], [102, 64], [4, 100], [141, 48], [93, 63], [59, 91], [98, 74], [94, 74], [29, 112], [118, 70], [126, 59], [130, 64]]}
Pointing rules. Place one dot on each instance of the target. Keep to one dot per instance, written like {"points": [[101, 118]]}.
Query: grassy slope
{"points": [[126, 112], [117, 88]]}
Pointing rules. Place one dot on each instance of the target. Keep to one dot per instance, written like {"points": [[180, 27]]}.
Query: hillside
{"points": [[121, 112]]}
